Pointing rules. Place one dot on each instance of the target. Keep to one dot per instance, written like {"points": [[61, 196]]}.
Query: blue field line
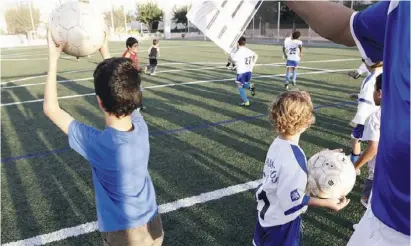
{"points": [[158, 133]]}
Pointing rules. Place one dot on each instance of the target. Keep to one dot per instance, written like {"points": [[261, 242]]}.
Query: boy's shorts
{"points": [[357, 131], [243, 78], [289, 234], [149, 234], [153, 62], [291, 63]]}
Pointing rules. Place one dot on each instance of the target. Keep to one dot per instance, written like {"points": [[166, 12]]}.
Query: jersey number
{"points": [[263, 196], [248, 60], [293, 51]]}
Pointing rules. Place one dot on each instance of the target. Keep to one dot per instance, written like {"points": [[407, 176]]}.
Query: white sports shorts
{"points": [[372, 232]]}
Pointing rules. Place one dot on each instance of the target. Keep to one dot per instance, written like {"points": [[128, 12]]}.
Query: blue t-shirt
{"points": [[125, 196], [382, 33]]}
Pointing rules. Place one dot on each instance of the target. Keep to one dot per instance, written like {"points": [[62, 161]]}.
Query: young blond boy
{"points": [[281, 197]]}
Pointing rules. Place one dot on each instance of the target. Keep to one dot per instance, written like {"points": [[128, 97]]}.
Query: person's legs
{"points": [[150, 234]]}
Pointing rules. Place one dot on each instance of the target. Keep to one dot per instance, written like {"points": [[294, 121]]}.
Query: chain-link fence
{"points": [[272, 22]]}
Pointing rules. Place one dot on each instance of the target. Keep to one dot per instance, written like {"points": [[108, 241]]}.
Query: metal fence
{"points": [[274, 21]]}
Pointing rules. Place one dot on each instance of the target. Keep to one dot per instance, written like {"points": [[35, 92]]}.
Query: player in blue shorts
{"points": [[365, 108], [293, 53], [244, 59]]}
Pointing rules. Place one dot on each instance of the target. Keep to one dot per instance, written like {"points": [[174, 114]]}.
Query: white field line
{"points": [[45, 75], [88, 70], [313, 68], [179, 84], [90, 78], [181, 63], [164, 208], [17, 57]]}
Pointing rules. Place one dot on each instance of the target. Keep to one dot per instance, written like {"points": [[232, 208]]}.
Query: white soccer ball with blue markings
{"points": [[331, 175], [78, 24]]}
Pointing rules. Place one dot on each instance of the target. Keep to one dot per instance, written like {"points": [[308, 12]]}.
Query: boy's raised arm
{"points": [[104, 48], [51, 105]]}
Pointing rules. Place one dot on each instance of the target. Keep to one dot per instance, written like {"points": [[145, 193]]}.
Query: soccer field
{"points": [[207, 153]]}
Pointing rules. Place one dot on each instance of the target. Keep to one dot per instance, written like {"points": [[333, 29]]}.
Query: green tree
{"points": [[118, 18], [179, 15], [19, 20], [149, 14]]}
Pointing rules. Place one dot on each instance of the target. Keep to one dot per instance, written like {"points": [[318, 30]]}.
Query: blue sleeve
{"points": [[80, 138], [136, 116], [368, 30]]}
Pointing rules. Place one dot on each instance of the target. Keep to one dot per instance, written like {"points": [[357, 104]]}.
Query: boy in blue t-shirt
{"points": [[127, 211]]}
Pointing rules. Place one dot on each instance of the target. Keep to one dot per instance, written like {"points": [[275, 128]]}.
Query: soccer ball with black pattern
{"points": [[331, 175], [78, 24]]}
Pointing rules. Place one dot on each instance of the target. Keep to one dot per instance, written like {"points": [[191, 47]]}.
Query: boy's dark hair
{"points": [[117, 84], [241, 41], [155, 41], [296, 35], [131, 41], [378, 83]]}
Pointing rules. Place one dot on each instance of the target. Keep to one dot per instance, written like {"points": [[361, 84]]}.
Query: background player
{"points": [[153, 54], [132, 53], [372, 135], [293, 53], [245, 59], [366, 107]]}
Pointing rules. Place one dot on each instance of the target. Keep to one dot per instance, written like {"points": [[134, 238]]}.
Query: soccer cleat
{"points": [[252, 89], [294, 83], [287, 87], [354, 74], [245, 104]]}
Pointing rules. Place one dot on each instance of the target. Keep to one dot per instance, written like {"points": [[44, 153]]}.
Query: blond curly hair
{"points": [[291, 112]]}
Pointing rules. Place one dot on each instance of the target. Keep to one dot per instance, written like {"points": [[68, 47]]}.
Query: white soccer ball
{"points": [[330, 175], [78, 24]]}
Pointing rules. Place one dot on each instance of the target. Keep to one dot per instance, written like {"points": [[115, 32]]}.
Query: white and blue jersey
{"points": [[243, 59], [293, 52], [366, 105], [382, 33], [281, 196]]}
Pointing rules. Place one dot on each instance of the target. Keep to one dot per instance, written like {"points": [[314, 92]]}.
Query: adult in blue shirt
{"points": [[381, 33]]}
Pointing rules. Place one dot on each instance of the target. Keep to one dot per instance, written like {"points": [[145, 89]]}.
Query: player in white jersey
{"points": [[293, 53], [365, 108], [244, 59], [281, 197], [371, 135]]}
